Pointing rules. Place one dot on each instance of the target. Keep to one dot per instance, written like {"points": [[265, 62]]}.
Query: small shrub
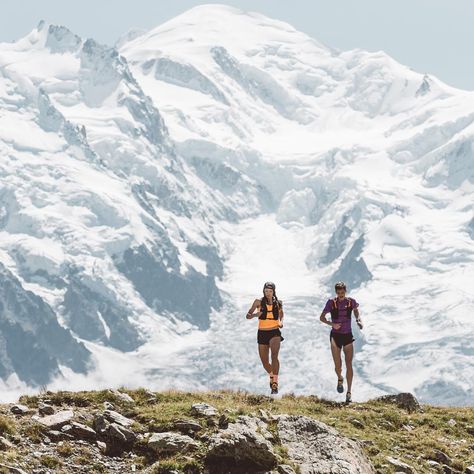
{"points": [[6, 425], [34, 432]]}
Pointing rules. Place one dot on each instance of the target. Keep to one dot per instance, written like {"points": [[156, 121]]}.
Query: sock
{"points": [[271, 375]]}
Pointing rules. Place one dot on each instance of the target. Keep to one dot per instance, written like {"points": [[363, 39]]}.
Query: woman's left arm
{"points": [[358, 319], [281, 315]]}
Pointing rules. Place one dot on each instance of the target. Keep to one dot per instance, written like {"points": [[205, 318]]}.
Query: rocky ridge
{"points": [[121, 431]]}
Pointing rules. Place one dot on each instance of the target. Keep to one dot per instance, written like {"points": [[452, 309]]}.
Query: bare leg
{"points": [[348, 355], [336, 355], [275, 349], [263, 353]]}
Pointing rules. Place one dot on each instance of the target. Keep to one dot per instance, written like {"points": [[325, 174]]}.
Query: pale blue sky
{"points": [[432, 36]]}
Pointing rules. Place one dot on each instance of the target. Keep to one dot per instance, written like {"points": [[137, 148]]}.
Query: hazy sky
{"points": [[433, 36]]}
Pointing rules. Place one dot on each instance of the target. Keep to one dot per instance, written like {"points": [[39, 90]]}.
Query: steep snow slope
{"points": [[148, 192]]}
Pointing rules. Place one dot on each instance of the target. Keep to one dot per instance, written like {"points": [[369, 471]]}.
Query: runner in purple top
{"points": [[341, 309]]}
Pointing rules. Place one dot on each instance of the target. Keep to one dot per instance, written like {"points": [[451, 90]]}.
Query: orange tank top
{"points": [[270, 322]]}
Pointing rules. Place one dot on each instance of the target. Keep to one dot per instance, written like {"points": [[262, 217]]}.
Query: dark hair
{"points": [[339, 285], [271, 286]]}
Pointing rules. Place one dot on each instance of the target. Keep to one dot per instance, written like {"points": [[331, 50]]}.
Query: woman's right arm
{"points": [[323, 319], [250, 312]]}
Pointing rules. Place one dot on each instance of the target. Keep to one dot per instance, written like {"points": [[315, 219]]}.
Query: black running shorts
{"points": [[263, 337], [341, 339]]}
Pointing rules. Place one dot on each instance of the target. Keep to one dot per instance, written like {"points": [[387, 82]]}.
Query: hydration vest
{"points": [[335, 309], [276, 304]]}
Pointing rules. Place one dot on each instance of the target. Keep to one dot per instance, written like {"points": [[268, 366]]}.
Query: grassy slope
{"points": [[387, 430]]}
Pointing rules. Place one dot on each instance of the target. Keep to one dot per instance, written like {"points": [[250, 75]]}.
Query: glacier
{"points": [[149, 188]]}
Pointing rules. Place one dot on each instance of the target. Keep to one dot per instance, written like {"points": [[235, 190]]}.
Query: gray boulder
{"points": [[122, 396], [187, 426], [406, 400], [441, 457], [203, 409], [115, 417], [319, 449], [55, 436], [400, 466], [120, 433], [79, 431], [58, 420], [100, 424], [45, 409], [118, 439], [19, 409], [170, 443], [114, 428], [108, 406], [241, 447]]}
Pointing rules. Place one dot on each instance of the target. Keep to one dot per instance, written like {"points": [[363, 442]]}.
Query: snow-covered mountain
{"points": [[149, 189]]}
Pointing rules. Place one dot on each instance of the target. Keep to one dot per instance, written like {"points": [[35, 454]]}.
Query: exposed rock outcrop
{"points": [[241, 447], [318, 449]]}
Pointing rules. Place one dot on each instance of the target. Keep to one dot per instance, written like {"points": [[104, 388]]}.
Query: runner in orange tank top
{"points": [[270, 320]]}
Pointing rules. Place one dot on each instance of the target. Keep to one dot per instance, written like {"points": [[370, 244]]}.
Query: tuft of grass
{"points": [[82, 459], [7, 426], [185, 466], [50, 461], [65, 449], [33, 431], [9, 457]]}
